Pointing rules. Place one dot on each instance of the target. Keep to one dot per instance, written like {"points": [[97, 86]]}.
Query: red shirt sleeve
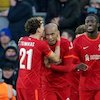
{"points": [[76, 48], [46, 49], [67, 66]]}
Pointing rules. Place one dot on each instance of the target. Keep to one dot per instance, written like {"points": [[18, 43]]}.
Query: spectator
{"points": [[19, 12], [5, 37], [11, 56], [3, 22], [11, 51], [17, 15], [42, 5], [84, 5], [39, 5], [64, 13], [6, 91], [31, 2], [9, 73], [4, 5], [93, 8], [95, 3]]}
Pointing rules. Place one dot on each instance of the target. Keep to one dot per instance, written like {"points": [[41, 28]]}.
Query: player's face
{"points": [[51, 36], [91, 24]]}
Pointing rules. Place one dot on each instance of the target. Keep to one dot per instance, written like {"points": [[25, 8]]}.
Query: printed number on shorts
{"points": [[26, 55]]}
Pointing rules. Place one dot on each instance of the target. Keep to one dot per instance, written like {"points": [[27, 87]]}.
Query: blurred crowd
{"points": [[69, 15]]}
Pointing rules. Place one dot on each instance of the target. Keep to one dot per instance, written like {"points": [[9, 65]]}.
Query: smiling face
{"points": [[91, 24]]}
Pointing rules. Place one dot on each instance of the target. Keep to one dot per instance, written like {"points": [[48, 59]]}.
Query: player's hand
{"points": [[58, 62], [46, 62], [55, 20], [82, 67]]}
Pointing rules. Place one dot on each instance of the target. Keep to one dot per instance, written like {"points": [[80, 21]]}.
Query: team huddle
{"points": [[52, 68]]}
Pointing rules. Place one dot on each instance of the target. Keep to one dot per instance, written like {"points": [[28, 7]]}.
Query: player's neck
{"points": [[35, 36], [93, 35]]}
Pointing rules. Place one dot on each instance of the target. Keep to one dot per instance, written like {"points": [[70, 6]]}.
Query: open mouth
{"points": [[52, 42]]}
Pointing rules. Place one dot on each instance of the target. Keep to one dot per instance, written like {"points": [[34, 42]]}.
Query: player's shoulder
{"points": [[99, 32], [42, 42], [80, 37], [23, 38], [64, 41]]}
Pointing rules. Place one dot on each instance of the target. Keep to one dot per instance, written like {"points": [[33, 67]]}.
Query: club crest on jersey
{"points": [[99, 47], [87, 57]]}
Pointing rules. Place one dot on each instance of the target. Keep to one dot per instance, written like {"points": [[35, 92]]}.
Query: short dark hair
{"points": [[33, 24], [94, 15], [7, 66]]}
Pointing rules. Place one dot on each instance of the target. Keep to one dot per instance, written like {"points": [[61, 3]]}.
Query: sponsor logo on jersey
{"points": [[92, 57]]}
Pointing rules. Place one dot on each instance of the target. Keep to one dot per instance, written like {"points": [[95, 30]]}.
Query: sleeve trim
{"points": [[71, 56], [49, 54]]}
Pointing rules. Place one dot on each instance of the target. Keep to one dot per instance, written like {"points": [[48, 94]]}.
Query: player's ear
{"points": [[58, 32], [44, 36], [39, 30]]}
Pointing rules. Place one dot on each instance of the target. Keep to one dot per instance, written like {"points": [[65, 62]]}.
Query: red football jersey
{"points": [[58, 75], [32, 52], [88, 51]]}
